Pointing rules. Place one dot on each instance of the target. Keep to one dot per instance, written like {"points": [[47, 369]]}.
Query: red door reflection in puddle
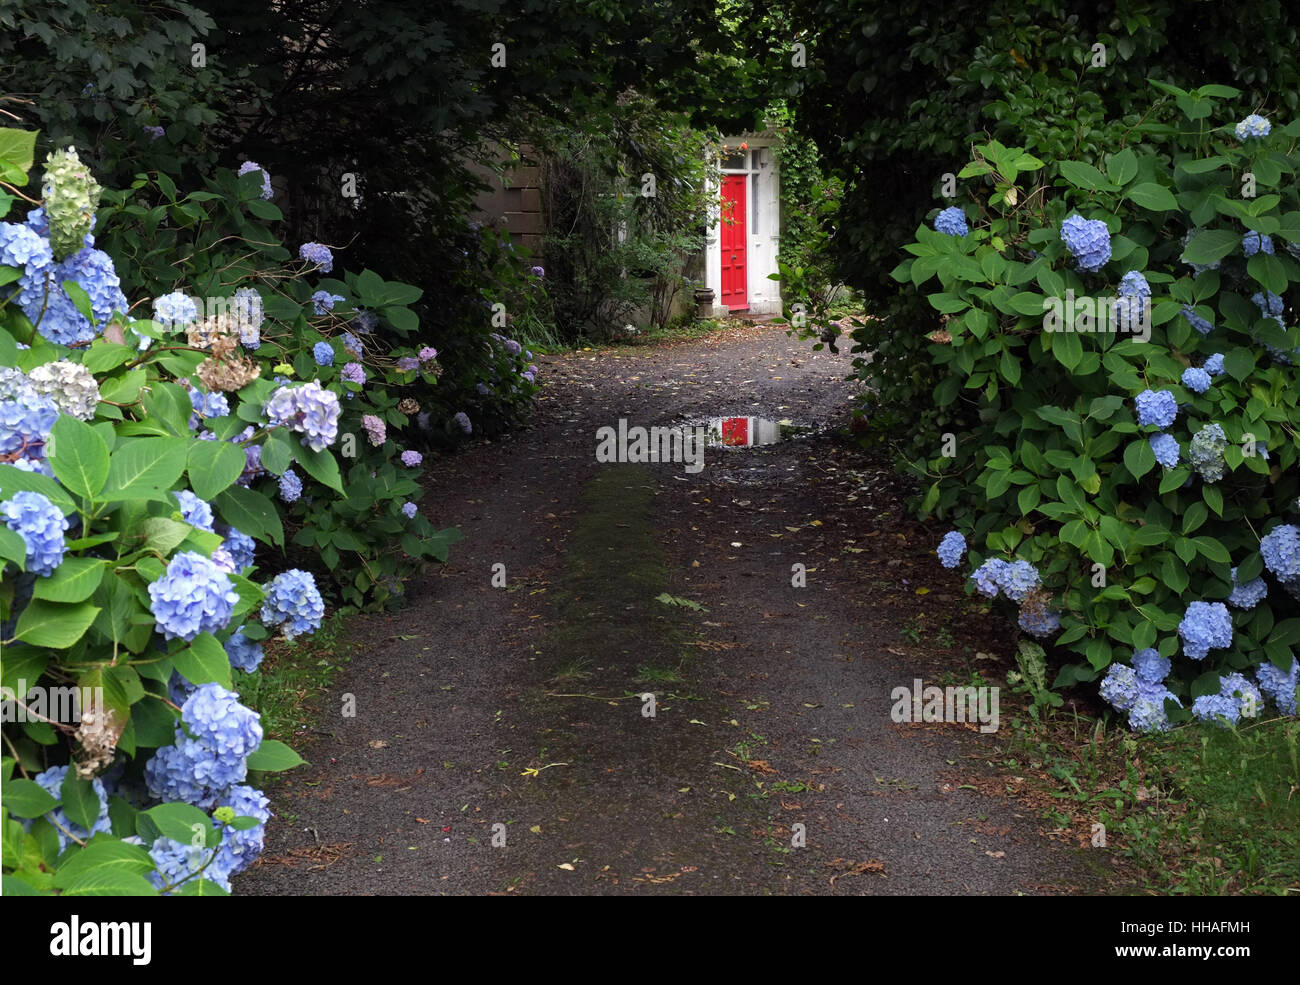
{"points": [[735, 430]]}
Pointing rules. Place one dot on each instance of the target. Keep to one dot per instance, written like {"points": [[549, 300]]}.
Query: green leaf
{"points": [[54, 624], [14, 479], [251, 512], [179, 822], [145, 468], [162, 534], [1067, 349], [273, 756], [1122, 167], [1082, 175], [204, 661], [1268, 271], [1139, 459], [1153, 197], [75, 580], [26, 798], [1211, 548], [1213, 498], [103, 855], [13, 547], [103, 356], [80, 802], [278, 452], [322, 467], [213, 467], [17, 148], [1211, 245]]}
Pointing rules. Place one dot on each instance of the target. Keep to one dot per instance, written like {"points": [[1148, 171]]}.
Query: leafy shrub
{"points": [[216, 245], [147, 473], [1054, 478]]}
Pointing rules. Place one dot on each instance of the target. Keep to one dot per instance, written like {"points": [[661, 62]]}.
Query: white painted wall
{"points": [[764, 238]]}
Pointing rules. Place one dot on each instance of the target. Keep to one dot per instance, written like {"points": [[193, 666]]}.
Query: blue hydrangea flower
{"points": [[1249, 595], [323, 353], [177, 864], [988, 577], [1156, 408], [1280, 549], [175, 310], [1196, 380], [411, 459], [1039, 621], [951, 549], [1196, 321], [190, 771], [209, 404], [244, 654], [1279, 685], [1253, 243], [193, 596], [951, 222], [317, 254], [1134, 285], [352, 344], [1150, 667], [25, 422], [1018, 579], [290, 486], [41, 525], [1205, 452], [1214, 365], [293, 600], [1205, 626], [1148, 712], [324, 301], [1088, 240], [1165, 448], [1268, 303], [462, 421], [25, 249], [1237, 686], [215, 718], [242, 548], [51, 781], [409, 510], [249, 166], [194, 511], [1217, 709], [408, 364], [1119, 688], [1254, 126], [239, 849], [154, 132], [365, 321], [224, 562], [61, 322], [246, 306], [354, 373], [310, 410]]}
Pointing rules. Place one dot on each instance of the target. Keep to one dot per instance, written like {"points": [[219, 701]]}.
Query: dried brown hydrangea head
{"points": [[219, 333], [227, 374], [97, 735], [408, 406]]}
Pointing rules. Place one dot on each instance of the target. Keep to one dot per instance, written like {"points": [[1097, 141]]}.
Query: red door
{"points": [[735, 294], [735, 431]]}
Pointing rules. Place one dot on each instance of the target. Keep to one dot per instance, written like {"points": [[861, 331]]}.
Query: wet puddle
{"points": [[749, 432]]}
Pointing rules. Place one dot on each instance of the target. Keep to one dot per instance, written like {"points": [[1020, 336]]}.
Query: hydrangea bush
{"points": [[1124, 471], [302, 359], [141, 539]]}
